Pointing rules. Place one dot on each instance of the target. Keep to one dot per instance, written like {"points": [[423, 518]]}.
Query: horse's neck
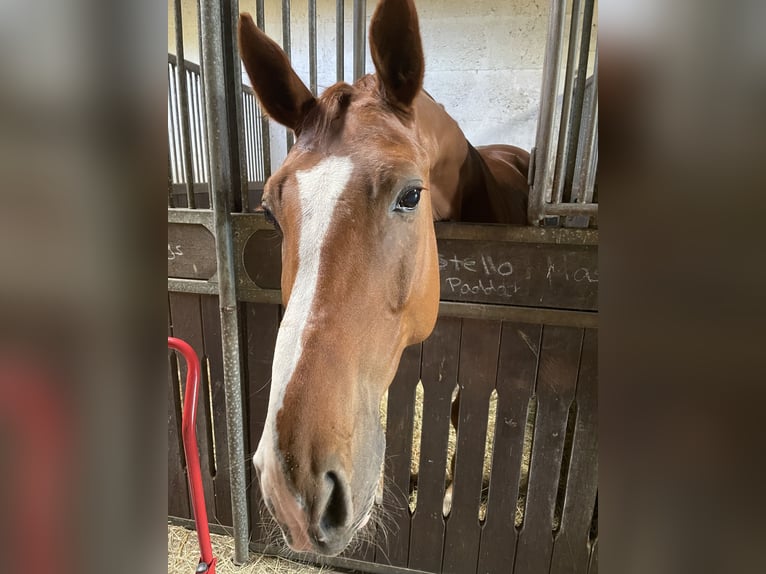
{"points": [[459, 177]]}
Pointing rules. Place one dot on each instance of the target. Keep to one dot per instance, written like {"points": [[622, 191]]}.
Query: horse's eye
{"points": [[409, 199]]}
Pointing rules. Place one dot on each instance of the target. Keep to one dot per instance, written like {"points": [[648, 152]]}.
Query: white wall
{"points": [[484, 58]]}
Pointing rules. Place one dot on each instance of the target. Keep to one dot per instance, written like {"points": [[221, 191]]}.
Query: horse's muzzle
{"points": [[315, 518]]}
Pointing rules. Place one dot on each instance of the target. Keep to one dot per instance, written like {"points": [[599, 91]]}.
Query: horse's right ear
{"points": [[281, 92]]}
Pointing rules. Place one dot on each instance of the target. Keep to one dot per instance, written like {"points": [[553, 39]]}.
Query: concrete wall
{"points": [[484, 58]]}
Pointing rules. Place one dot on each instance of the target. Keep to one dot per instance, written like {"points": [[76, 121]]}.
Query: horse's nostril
{"points": [[335, 514]]}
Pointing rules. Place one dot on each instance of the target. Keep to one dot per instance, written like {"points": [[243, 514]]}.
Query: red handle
{"points": [[189, 419]]}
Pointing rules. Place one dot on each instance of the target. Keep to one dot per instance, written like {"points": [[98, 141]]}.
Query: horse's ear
{"points": [[397, 51], [281, 92]]}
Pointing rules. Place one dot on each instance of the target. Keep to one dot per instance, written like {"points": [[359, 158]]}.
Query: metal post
{"points": [[286, 47], [360, 19], [575, 29], [584, 177], [171, 201], [339, 40], [266, 137], [541, 176], [579, 93], [313, 46], [214, 56], [183, 100]]}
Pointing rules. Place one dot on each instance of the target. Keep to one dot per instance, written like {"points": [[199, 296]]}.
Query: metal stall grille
{"points": [[565, 158]]}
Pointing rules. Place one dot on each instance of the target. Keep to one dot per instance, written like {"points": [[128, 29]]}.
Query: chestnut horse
{"points": [[373, 165]]}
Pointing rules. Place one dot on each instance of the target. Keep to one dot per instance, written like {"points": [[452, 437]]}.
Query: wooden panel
{"points": [[211, 325], [479, 349], [178, 486], [517, 369], [187, 325], [570, 549], [262, 258], [439, 376], [191, 251], [261, 323], [394, 549], [556, 381], [526, 274]]}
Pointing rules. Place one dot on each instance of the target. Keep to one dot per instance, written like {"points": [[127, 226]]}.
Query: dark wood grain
{"points": [[570, 549], [439, 376], [517, 368], [526, 274], [211, 327], [477, 372], [178, 486], [187, 325], [556, 381], [261, 323], [394, 548]]}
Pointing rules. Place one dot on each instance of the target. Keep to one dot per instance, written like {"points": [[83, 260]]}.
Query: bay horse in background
{"points": [[373, 165]]}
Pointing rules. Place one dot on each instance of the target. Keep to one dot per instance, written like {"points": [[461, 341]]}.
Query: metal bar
{"points": [[584, 175], [193, 115], [183, 100], [214, 57], [339, 40], [171, 201], [313, 46], [579, 93], [541, 181], [286, 46], [575, 30], [572, 209], [172, 104], [205, 149], [360, 19], [265, 135]]}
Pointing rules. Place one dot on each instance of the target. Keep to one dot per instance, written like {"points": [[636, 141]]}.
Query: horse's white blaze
{"points": [[318, 189]]}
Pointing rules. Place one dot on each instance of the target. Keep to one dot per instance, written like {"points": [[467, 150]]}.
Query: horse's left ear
{"points": [[397, 51]]}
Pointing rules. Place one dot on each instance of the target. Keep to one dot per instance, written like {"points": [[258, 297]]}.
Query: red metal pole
{"points": [[191, 396]]}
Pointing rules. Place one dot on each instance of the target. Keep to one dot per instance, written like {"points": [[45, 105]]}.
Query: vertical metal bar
{"points": [[216, 84], [200, 133], [193, 127], [313, 46], [575, 29], [173, 112], [541, 176], [579, 92], [265, 135], [205, 148], [171, 201], [360, 18], [286, 47], [584, 174], [339, 40], [183, 100]]}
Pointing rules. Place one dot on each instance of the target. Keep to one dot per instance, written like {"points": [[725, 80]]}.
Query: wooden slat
{"points": [[211, 326], [187, 325], [439, 377], [479, 350], [178, 486], [261, 323], [556, 381], [394, 548], [570, 549], [517, 368]]}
